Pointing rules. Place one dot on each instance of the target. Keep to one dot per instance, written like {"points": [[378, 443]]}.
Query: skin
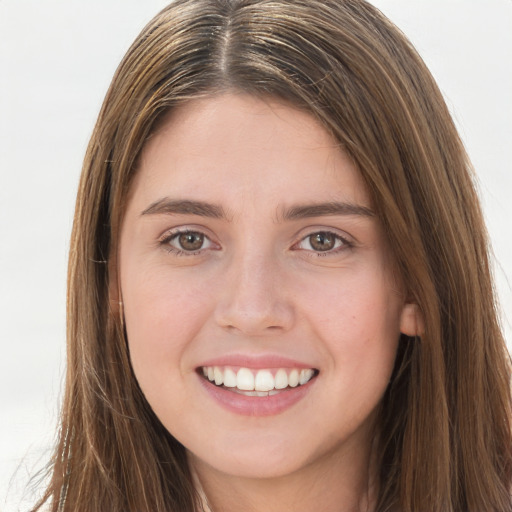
{"points": [[256, 286]]}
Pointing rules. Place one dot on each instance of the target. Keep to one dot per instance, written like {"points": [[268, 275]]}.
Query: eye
{"points": [[322, 242], [187, 241]]}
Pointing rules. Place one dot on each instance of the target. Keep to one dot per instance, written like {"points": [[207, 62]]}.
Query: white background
{"points": [[56, 60]]}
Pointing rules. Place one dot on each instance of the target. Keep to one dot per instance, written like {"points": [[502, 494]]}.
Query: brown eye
{"points": [[322, 241], [187, 243], [191, 241]]}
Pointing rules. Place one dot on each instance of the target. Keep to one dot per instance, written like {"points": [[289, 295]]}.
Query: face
{"points": [[261, 308]]}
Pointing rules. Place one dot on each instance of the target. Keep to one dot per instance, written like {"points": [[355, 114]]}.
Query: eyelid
{"points": [[185, 228], [172, 233], [348, 242]]}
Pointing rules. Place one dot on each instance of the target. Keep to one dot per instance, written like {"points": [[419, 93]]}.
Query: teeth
{"points": [[293, 379], [254, 393], [264, 381], [305, 376], [281, 379], [245, 380], [218, 376], [261, 382], [229, 378]]}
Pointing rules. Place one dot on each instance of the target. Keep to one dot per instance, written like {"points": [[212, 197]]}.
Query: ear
{"points": [[411, 320]]}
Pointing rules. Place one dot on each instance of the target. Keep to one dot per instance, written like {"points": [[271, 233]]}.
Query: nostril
{"points": [[252, 330], [255, 320]]}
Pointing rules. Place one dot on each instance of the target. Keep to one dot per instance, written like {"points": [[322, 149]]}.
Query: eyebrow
{"points": [[325, 209], [185, 207], [204, 209]]}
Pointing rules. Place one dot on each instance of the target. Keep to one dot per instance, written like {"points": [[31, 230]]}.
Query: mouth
{"points": [[257, 382]]}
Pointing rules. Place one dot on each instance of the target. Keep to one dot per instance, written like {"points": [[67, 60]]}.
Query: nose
{"points": [[255, 299]]}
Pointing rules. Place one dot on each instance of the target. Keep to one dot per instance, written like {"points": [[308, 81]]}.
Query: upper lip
{"points": [[256, 361]]}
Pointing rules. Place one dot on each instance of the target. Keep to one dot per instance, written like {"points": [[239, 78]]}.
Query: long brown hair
{"points": [[445, 426]]}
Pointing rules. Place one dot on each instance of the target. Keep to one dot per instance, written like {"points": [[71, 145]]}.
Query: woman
{"points": [[279, 290]]}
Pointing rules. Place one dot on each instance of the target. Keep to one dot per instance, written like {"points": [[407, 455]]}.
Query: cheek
{"points": [[358, 319], [162, 316], [356, 304]]}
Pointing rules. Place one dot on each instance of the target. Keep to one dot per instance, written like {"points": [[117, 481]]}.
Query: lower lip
{"points": [[256, 405]]}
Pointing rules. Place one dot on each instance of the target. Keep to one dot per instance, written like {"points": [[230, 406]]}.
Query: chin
{"points": [[259, 458]]}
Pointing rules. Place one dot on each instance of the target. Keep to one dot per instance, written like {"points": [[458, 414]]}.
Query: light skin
{"points": [[282, 257]]}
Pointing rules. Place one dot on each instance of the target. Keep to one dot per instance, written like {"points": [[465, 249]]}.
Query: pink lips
{"points": [[255, 361], [255, 405]]}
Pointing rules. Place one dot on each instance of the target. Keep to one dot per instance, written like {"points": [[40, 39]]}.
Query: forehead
{"points": [[231, 147]]}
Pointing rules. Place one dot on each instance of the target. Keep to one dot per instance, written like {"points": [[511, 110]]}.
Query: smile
{"points": [[263, 382]]}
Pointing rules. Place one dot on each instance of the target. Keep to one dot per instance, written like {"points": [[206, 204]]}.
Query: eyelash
{"points": [[166, 240], [341, 243]]}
